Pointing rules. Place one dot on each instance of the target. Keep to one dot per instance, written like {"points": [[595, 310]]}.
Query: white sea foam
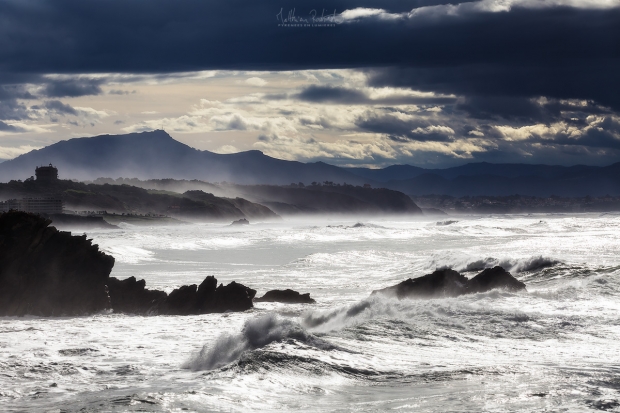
{"points": [[257, 333], [464, 263], [553, 345]]}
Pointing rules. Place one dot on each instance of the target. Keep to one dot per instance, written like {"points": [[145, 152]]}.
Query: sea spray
{"points": [[513, 265], [257, 332]]}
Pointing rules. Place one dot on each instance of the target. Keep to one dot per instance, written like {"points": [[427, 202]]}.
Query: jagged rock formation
{"points": [[208, 298], [241, 221], [492, 278], [286, 296], [131, 296], [449, 283], [47, 272]]}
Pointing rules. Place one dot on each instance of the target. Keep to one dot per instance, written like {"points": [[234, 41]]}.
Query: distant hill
{"points": [[192, 205], [507, 170], [152, 155], [567, 182], [155, 155], [340, 199]]}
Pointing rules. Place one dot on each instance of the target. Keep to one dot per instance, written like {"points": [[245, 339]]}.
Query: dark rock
{"points": [[241, 221], [493, 278], [47, 272], [132, 297], [208, 298], [441, 283], [181, 301], [50, 273], [286, 296], [231, 297], [449, 283]]}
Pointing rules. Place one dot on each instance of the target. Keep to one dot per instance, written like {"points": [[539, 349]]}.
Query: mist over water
{"points": [[554, 347]]}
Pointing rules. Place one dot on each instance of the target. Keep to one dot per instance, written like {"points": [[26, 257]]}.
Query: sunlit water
{"points": [[552, 348]]}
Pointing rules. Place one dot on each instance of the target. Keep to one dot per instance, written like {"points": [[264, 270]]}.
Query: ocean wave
{"points": [[513, 265], [356, 225], [293, 364], [257, 332], [444, 223]]}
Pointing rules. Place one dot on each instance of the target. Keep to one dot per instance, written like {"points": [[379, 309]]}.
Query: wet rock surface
{"points": [[450, 283], [208, 297], [47, 272], [286, 296], [132, 297]]}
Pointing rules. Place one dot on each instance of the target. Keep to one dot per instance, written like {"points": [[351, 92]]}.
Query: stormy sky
{"points": [[431, 83]]}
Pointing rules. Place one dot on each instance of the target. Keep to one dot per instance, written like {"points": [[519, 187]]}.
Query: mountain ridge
{"points": [[156, 155]]}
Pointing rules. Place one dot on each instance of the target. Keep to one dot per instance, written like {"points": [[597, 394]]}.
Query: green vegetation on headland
{"points": [[167, 201], [294, 199], [125, 203]]}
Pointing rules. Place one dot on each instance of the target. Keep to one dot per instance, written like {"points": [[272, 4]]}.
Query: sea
{"points": [[552, 348]]}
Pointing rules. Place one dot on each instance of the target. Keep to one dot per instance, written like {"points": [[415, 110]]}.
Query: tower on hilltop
{"points": [[46, 173]]}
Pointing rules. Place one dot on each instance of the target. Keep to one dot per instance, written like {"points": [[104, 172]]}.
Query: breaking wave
{"points": [[444, 223], [256, 333], [512, 265]]}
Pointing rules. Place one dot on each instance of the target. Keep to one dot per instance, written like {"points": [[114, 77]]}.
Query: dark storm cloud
{"points": [[330, 94], [502, 108], [11, 109], [72, 88], [4, 127], [403, 130], [18, 91], [12, 95], [498, 64], [604, 134], [57, 106], [120, 92], [348, 96], [557, 52]]}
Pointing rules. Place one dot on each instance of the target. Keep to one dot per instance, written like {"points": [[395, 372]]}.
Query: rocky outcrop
{"points": [[131, 296], [492, 278], [449, 283], [208, 298], [241, 221], [47, 272], [286, 296]]}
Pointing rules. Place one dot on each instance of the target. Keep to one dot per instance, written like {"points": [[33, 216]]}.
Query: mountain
{"points": [[391, 173], [515, 170], [150, 155], [567, 182], [155, 155]]}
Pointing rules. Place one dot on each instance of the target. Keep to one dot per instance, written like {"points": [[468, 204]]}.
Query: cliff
{"points": [[46, 272]]}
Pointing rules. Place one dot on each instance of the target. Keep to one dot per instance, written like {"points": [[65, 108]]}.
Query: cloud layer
{"points": [[500, 80]]}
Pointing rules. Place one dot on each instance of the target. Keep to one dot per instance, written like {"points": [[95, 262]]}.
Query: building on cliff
{"points": [[46, 173], [51, 205], [47, 205]]}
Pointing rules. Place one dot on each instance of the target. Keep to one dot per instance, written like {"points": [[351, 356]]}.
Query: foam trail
{"points": [[257, 332]]}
